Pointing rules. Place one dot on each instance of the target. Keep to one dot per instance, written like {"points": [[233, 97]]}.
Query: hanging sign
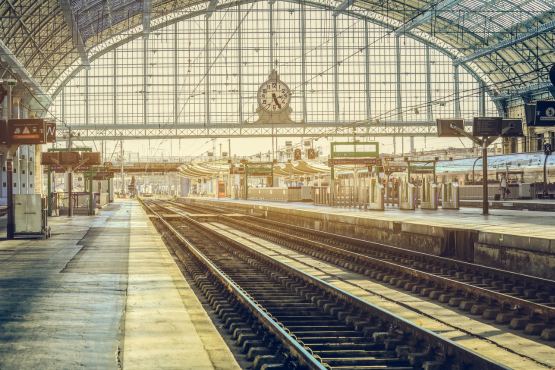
{"points": [[358, 149], [362, 161], [486, 126], [27, 131]]}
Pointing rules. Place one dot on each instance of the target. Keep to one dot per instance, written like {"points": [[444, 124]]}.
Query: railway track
{"points": [[284, 318], [520, 301]]}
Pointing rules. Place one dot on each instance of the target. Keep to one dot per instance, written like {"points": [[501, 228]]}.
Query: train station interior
{"points": [[268, 185]]}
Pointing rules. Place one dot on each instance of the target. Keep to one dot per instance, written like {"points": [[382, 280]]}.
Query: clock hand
{"points": [[276, 100]]}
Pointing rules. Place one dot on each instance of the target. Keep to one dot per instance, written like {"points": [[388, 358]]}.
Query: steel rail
{"points": [[300, 353], [493, 297], [403, 327], [400, 252]]}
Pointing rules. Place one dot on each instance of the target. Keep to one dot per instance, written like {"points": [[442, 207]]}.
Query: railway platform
{"points": [[512, 240], [102, 292]]}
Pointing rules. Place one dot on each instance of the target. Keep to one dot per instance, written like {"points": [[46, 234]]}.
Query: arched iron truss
{"points": [[52, 42]]}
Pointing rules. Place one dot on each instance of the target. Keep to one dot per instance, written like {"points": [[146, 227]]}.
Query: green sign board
{"points": [[430, 168], [255, 169], [361, 149]]}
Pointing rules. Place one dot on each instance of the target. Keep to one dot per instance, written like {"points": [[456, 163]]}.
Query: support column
{"points": [[429, 83], [86, 97], [482, 112], [457, 96], [63, 106], [398, 60], [240, 63], [335, 69], [175, 71], [303, 59], [207, 67], [115, 90], [367, 63]]}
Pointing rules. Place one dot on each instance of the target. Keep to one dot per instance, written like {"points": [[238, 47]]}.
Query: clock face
{"points": [[274, 96]]}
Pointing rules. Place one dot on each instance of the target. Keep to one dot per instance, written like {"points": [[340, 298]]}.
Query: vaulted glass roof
{"points": [[37, 33]]}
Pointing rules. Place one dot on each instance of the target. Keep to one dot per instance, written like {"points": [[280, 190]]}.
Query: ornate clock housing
{"points": [[274, 99], [274, 96]]}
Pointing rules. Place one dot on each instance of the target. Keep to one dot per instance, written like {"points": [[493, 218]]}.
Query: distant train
{"points": [[518, 167]]}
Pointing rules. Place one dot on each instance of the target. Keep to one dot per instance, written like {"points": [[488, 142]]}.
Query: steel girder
{"points": [[137, 132], [75, 34], [434, 11]]}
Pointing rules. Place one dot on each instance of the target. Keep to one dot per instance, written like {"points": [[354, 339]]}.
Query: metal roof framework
{"points": [[509, 41]]}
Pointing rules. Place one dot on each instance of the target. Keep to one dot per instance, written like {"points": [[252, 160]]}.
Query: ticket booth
{"points": [[221, 189]]}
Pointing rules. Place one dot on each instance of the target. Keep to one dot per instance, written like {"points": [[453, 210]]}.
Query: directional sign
{"points": [[516, 129], [421, 169], [27, 131], [360, 149], [254, 169], [59, 169], [362, 161], [545, 113], [257, 173], [392, 169], [486, 126], [444, 127]]}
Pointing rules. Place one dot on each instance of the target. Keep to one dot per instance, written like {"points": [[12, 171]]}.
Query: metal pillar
{"points": [[335, 69], [49, 194], [485, 199], [10, 231], [145, 47], [482, 112], [175, 70], [367, 63], [207, 67], [271, 37], [398, 60], [303, 60], [240, 64], [91, 192], [428, 83], [457, 95], [121, 168], [86, 97], [115, 88], [63, 104], [70, 178]]}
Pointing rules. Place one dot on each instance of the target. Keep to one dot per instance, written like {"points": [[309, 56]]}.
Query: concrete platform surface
{"points": [[521, 222], [103, 293]]}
